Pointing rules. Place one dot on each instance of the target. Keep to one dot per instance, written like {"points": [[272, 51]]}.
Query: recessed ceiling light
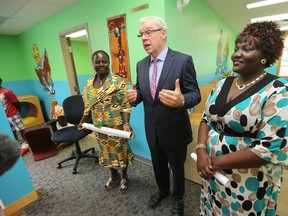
{"points": [[264, 3]]}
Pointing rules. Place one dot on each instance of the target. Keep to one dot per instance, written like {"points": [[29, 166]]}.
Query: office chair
{"points": [[73, 107]]}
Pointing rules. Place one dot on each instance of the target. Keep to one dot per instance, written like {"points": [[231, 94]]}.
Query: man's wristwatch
{"points": [[183, 102]]}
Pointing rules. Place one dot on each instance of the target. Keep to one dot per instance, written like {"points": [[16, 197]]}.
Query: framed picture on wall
{"points": [[283, 62], [118, 46]]}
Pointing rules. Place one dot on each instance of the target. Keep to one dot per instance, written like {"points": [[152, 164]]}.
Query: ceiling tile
{"points": [[237, 16], [15, 26], [24, 14], [61, 2], [233, 12], [36, 10], [9, 7]]}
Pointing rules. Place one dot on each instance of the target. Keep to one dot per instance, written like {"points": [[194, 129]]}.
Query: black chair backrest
{"points": [[73, 107]]}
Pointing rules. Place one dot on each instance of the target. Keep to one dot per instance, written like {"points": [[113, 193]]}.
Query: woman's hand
{"points": [[80, 127], [84, 119], [204, 164], [128, 128]]}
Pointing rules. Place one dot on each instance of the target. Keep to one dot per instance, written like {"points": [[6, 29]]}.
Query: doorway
{"points": [[71, 59]]}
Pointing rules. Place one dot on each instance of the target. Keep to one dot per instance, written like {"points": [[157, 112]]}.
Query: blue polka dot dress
{"points": [[256, 119]]}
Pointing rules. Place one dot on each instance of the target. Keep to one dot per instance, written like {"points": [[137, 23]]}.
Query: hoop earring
{"points": [[263, 61]]}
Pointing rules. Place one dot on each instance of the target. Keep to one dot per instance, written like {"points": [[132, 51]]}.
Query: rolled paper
{"points": [[108, 131], [219, 176]]}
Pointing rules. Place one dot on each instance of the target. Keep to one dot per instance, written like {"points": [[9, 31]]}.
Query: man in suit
{"points": [[167, 124]]}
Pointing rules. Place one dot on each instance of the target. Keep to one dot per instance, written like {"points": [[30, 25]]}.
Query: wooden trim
{"points": [[68, 54], [15, 207]]}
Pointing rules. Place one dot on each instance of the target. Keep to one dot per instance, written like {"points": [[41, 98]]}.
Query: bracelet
{"points": [[126, 124], [200, 146]]}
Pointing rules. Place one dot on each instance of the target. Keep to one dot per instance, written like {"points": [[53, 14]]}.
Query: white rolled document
{"points": [[220, 177], [108, 131]]}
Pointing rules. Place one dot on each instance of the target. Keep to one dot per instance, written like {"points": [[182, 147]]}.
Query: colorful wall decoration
{"points": [[119, 46], [222, 68], [43, 70]]}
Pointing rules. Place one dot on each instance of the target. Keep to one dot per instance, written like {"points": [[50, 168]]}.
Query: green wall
{"points": [[194, 31], [45, 35], [82, 57], [11, 59]]}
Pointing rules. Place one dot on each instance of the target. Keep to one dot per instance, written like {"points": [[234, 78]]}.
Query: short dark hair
{"points": [[103, 52], [267, 36]]}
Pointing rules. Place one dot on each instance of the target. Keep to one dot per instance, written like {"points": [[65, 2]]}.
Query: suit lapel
{"points": [[165, 70], [145, 76]]}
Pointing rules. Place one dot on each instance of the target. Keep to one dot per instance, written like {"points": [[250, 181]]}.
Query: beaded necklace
{"points": [[242, 86]]}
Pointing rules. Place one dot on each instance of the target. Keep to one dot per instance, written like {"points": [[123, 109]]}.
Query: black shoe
{"points": [[178, 208], [155, 200]]}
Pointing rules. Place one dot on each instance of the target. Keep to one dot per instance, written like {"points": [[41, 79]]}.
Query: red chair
{"points": [[40, 143]]}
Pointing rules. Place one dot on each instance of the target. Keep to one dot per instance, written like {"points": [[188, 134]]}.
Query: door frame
{"points": [[68, 56]]}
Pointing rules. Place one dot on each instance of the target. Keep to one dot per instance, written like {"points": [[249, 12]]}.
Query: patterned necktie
{"points": [[154, 77]]}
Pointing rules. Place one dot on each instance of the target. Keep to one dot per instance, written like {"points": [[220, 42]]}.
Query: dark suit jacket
{"points": [[171, 125]]}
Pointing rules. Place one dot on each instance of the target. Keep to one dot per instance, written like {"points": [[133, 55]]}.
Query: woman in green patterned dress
{"points": [[105, 100]]}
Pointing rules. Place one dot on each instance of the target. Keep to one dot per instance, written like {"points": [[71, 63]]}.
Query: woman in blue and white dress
{"points": [[243, 132]]}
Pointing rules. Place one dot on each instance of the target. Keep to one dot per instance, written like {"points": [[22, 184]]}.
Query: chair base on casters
{"points": [[77, 155], [73, 108]]}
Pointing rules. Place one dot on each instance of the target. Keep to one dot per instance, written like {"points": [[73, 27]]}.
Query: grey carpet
{"points": [[65, 194]]}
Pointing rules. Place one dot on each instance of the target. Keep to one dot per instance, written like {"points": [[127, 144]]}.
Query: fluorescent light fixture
{"points": [[271, 18], [264, 3], [77, 34]]}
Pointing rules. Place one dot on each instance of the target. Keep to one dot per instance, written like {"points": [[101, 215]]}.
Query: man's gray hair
{"points": [[159, 22]]}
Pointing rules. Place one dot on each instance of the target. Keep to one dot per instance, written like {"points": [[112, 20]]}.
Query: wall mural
{"points": [[43, 70], [222, 57], [119, 46]]}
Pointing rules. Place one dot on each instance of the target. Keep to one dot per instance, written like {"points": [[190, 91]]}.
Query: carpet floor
{"points": [[65, 194]]}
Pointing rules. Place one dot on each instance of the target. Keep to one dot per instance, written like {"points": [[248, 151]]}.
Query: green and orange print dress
{"points": [[106, 105]]}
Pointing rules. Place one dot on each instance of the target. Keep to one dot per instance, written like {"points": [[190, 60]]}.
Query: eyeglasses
{"points": [[148, 33]]}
